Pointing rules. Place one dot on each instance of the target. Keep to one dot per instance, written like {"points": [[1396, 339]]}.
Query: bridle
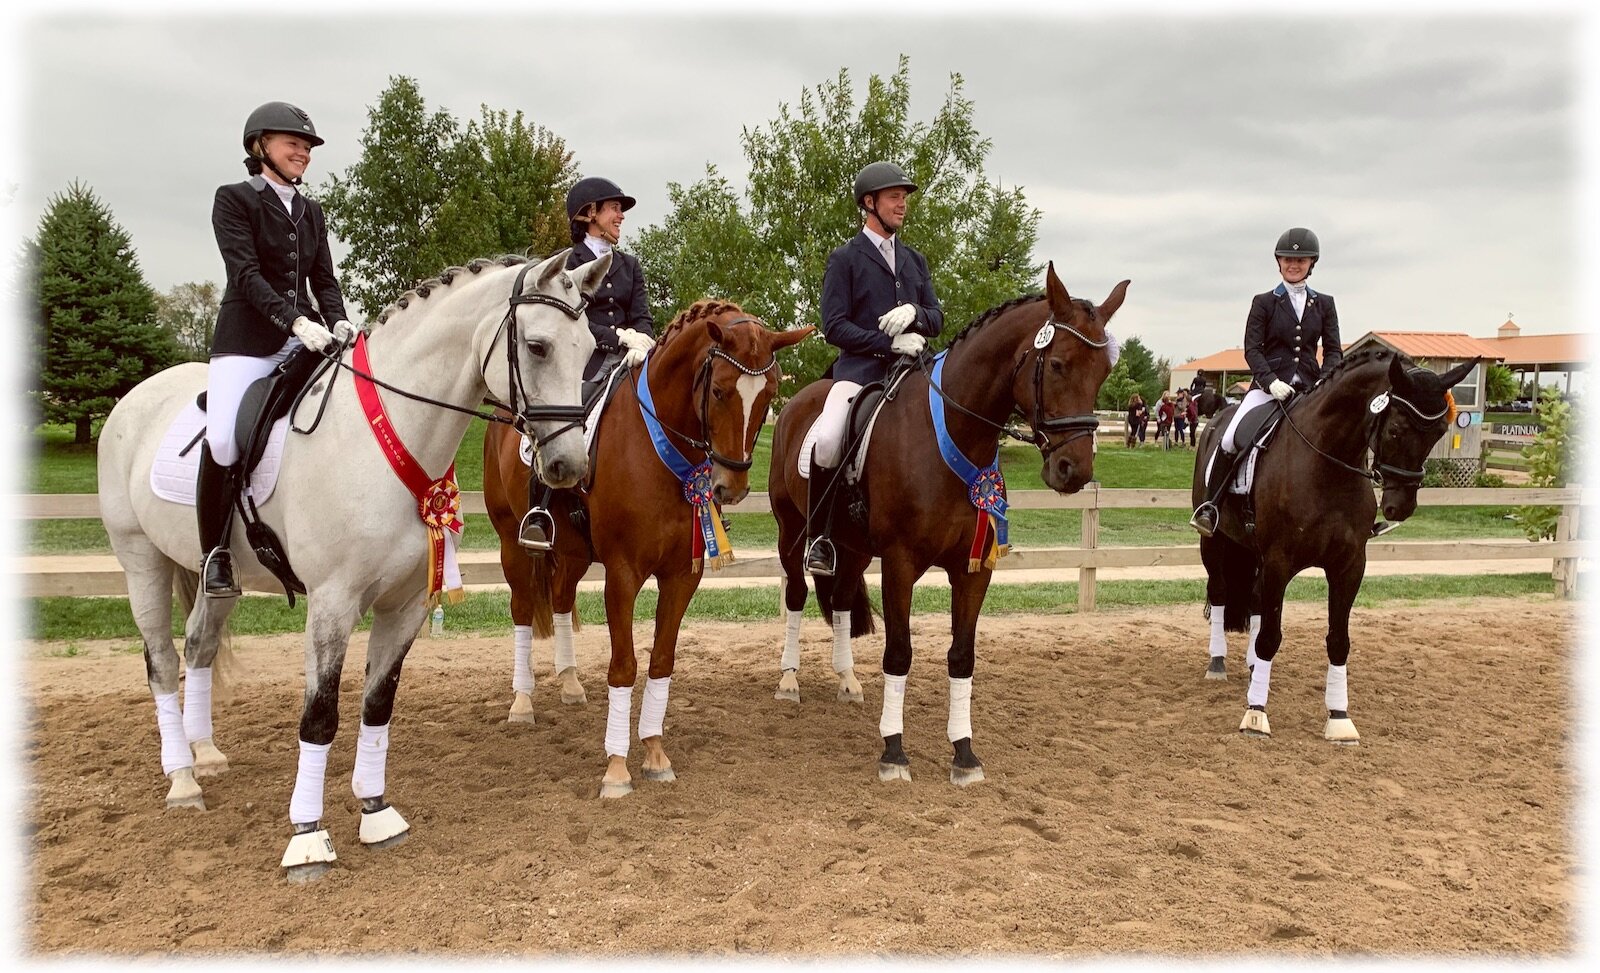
{"points": [[1381, 472], [702, 381], [1072, 426]]}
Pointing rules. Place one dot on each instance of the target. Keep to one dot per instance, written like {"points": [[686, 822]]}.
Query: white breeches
{"points": [[1253, 399], [828, 446], [226, 382]]}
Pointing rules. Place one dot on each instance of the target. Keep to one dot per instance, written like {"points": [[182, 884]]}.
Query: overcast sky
{"points": [[1435, 154]]}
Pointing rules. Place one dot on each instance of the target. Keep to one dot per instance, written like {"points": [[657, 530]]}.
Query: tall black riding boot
{"points": [[213, 496], [537, 532], [1206, 516], [820, 557]]}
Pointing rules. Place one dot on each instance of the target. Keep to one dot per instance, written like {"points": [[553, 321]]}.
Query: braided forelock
{"points": [[446, 278]]}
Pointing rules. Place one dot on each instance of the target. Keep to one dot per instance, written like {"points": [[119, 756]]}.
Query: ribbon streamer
{"points": [[710, 545]]}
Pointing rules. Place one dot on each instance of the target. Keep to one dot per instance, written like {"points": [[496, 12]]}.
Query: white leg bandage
{"points": [[1337, 695], [842, 657], [372, 754], [654, 708], [960, 725], [197, 704], [791, 639], [620, 703], [564, 658], [1250, 650], [1219, 637], [305, 804], [175, 753], [1260, 676], [521, 664], [894, 702]]}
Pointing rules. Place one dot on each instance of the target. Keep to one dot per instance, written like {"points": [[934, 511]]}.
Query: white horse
{"points": [[350, 527]]}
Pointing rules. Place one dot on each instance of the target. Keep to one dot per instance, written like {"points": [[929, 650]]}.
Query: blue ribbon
{"points": [[696, 480], [986, 486]]}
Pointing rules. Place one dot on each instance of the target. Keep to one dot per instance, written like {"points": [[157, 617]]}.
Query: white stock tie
{"points": [[888, 253]]}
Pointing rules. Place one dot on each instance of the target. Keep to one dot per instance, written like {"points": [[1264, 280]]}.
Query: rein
{"points": [[702, 381], [1380, 470]]}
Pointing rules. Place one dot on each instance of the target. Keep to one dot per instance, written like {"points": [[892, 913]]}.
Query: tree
{"points": [[95, 335], [768, 251], [1118, 388], [1142, 369], [188, 313], [427, 194], [1550, 462], [1502, 384]]}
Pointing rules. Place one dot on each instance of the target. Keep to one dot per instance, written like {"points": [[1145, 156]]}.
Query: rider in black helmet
{"points": [[274, 245], [618, 314], [877, 304], [1281, 335]]}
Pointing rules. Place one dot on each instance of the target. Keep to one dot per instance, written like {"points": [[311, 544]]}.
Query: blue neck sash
{"points": [[710, 540], [986, 487]]}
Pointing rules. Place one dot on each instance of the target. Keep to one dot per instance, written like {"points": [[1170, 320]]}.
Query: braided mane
{"points": [[446, 278]]}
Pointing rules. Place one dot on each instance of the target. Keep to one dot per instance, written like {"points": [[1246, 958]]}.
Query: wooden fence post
{"points": [[1564, 570], [1089, 541]]}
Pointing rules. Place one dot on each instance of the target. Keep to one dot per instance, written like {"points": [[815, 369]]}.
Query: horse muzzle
{"points": [[1399, 502]]}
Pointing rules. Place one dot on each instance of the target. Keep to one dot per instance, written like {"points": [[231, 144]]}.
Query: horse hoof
{"points": [[1341, 732], [661, 776], [302, 874], [309, 855], [571, 689], [184, 791], [849, 689], [521, 709], [788, 687], [1255, 724], [891, 772], [788, 695], [963, 776], [383, 828], [1217, 669], [613, 789], [208, 760]]}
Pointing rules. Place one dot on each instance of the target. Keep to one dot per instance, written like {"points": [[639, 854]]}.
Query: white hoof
{"points": [[1341, 731], [1255, 724], [788, 687], [849, 687], [571, 688], [891, 772], [184, 791], [309, 856], [614, 789], [383, 829], [964, 776], [208, 760], [521, 709]]}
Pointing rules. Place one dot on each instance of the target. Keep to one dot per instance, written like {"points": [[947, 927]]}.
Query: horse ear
{"points": [[1060, 300], [714, 332], [1113, 301], [783, 339], [1451, 378], [547, 269], [590, 274]]}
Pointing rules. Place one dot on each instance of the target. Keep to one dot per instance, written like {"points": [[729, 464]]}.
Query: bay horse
{"points": [[1209, 402], [1043, 356], [510, 328], [1314, 507], [701, 396]]}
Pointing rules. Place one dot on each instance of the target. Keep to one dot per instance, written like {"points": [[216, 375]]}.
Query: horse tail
{"points": [[227, 669], [537, 588], [1240, 565], [861, 614]]}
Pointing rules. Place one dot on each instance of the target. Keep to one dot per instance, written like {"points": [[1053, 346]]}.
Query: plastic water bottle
{"points": [[436, 627]]}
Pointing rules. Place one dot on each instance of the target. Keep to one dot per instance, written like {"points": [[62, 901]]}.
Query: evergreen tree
{"points": [[95, 335]]}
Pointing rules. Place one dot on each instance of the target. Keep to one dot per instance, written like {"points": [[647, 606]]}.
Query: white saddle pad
{"points": [[590, 421], [172, 477], [854, 463], [1246, 474]]}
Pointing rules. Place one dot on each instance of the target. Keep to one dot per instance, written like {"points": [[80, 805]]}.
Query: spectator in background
{"points": [[1138, 415]]}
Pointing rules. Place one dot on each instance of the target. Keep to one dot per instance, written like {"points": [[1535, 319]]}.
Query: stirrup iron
{"points": [[537, 532]]}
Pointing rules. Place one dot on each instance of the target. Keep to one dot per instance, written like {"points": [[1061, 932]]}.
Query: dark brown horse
{"points": [[1313, 507], [1209, 402], [705, 388], [1043, 357]]}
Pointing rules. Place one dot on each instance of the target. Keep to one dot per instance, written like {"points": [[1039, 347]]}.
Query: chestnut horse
{"points": [[699, 400], [1314, 507], [1044, 357]]}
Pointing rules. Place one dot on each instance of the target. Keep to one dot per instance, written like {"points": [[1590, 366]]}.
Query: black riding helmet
{"points": [[592, 189], [878, 176], [279, 116], [1297, 242]]}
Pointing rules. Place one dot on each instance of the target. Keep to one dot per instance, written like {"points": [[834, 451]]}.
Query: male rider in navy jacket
{"points": [[877, 303]]}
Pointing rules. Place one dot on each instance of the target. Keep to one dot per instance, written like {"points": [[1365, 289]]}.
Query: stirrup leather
{"points": [[537, 532]]}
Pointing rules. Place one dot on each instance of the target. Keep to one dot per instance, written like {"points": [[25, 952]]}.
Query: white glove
{"points": [[311, 334], [1280, 389], [344, 332], [637, 343], [897, 319], [909, 343]]}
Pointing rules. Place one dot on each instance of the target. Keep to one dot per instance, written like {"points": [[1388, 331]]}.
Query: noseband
{"points": [[571, 414], [702, 380]]}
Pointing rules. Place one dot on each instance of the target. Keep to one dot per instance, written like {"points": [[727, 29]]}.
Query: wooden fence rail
{"points": [[94, 575]]}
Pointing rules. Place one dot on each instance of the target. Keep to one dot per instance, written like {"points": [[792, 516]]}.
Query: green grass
{"points": [[488, 613]]}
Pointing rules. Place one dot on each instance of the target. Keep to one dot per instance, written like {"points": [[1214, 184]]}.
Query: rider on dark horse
{"points": [[1281, 335], [877, 303], [619, 315], [269, 235]]}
